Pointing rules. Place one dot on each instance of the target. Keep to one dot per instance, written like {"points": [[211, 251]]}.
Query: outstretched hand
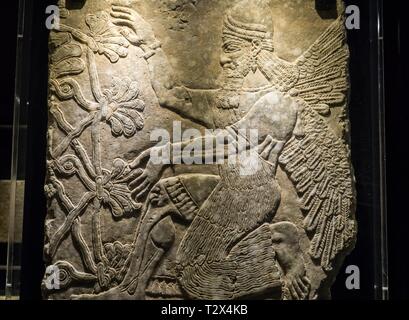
{"points": [[140, 180], [140, 32]]}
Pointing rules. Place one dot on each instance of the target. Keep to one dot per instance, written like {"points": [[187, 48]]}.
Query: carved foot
{"points": [[285, 240]]}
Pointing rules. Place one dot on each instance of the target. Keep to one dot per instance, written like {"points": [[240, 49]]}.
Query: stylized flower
{"points": [[115, 193], [106, 37], [124, 107], [118, 198], [65, 57], [119, 105], [108, 187], [117, 253], [110, 271]]}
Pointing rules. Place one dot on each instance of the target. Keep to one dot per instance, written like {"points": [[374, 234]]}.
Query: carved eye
{"points": [[230, 48]]}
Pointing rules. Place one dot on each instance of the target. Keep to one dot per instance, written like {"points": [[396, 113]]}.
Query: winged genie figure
{"points": [[232, 248]]}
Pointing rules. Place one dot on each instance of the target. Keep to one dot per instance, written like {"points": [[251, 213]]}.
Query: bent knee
{"points": [[163, 233]]}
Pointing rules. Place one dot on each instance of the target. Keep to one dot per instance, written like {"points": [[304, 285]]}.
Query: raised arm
{"points": [[169, 91]]}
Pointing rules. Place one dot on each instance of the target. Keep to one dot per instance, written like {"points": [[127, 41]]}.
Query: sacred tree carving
{"points": [[171, 175]]}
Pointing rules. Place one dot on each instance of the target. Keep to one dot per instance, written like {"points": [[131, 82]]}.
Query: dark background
{"points": [[365, 142]]}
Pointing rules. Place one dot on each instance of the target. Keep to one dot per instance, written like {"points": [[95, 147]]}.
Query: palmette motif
{"points": [[278, 232]]}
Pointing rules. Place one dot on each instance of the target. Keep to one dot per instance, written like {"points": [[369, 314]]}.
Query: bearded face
{"points": [[248, 47], [236, 58], [242, 43], [241, 56]]}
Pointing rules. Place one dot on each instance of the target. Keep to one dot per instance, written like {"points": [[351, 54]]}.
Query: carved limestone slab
{"points": [[197, 150]]}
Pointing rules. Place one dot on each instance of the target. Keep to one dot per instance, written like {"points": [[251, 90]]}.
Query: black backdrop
{"points": [[364, 144]]}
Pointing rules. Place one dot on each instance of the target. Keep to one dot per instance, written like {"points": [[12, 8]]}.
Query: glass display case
{"points": [[12, 181]]}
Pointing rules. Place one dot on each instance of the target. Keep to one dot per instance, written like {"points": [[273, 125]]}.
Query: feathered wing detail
{"points": [[319, 163], [319, 167], [323, 70]]}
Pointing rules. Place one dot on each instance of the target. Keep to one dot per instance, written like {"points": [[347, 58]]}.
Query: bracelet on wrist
{"points": [[151, 49]]}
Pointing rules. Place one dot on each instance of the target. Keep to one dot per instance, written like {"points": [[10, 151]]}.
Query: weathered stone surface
{"points": [[272, 219]]}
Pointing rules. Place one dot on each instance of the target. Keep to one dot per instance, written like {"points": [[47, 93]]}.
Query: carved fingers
{"points": [[140, 185], [299, 287], [269, 148], [158, 196], [124, 13], [126, 17], [138, 160], [144, 180], [266, 147]]}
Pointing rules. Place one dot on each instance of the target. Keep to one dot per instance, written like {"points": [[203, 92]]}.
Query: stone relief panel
{"points": [[198, 150]]}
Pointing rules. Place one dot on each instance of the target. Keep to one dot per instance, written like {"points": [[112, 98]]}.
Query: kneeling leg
{"points": [[161, 238]]}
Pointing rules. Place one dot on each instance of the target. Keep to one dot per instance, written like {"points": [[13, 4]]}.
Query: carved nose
{"points": [[224, 60]]}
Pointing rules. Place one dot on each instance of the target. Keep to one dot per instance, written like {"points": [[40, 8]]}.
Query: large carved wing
{"points": [[319, 163], [323, 70]]}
